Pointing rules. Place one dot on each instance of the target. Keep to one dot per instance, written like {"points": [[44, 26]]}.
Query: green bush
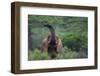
{"points": [[37, 55], [69, 54], [75, 41], [65, 54]]}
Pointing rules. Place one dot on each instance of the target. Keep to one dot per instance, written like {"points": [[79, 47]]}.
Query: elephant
{"points": [[52, 43]]}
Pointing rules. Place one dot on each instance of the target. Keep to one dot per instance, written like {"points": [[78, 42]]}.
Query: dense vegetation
{"points": [[71, 30]]}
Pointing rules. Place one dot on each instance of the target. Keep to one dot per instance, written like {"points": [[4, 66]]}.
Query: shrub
{"points": [[69, 54], [37, 55], [65, 54], [74, 42]]}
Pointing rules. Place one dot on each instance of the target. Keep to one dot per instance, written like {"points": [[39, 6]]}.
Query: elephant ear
{"points": [[57, 39]]}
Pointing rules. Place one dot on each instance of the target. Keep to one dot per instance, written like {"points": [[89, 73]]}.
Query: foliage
{"points": [[37, 55], [66, 54], [69, 54], [75, 42]]}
